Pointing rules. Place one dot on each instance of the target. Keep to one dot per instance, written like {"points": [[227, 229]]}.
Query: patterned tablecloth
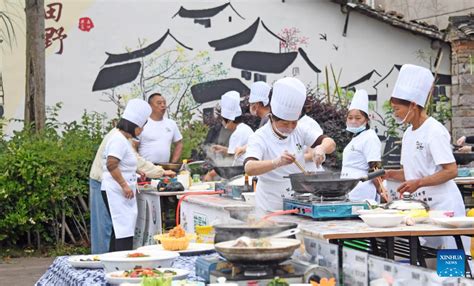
{"points": [[62, 273]]}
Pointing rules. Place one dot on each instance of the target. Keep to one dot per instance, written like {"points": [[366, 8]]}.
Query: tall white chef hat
{"points": [[289, 95], [230, 105], [259, 92], [360, 101], [137, 111], [413, 84]]}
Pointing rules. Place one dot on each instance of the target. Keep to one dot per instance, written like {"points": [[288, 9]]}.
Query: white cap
{"points": [[230, 105], [289, 95], [137, 111], [259, 92], [413, 84], [360, 101]]}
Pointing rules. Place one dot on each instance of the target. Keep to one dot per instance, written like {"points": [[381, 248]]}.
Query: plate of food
{"points": [[137, 274], [193, 248], [124, 260], [85, 261], [454, 222]]}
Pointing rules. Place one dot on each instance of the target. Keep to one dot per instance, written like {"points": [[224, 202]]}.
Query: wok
{"points": [[463, 158], [170, 166], [327, 184], [230, 171], [226, 232], [280, 250]]}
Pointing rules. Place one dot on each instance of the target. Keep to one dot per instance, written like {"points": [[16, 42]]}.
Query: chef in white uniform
{"points": [[259, 100], [362, 154], [307, 122], [427, 159], [119, 177], [231, 114], [272, 149]]}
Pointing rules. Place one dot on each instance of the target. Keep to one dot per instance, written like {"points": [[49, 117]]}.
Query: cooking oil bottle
{"points": [[184, 176]]}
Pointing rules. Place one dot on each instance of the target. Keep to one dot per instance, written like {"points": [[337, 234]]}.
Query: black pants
{"points": [[117, 244]]}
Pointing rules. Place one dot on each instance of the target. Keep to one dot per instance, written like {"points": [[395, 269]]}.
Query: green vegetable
{"points": [[277, 281], [153, 281]]}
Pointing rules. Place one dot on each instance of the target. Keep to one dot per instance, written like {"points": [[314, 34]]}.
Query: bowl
{"points": [[376, 211], [382, 220], [174, 243], [119, 260]]}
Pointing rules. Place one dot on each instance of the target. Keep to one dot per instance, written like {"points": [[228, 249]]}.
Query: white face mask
{"points": [[401, 121], [285, 132], [355, 129]]}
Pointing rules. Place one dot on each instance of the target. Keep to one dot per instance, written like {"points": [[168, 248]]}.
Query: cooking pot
{"points": [[407, 203], [226, 232], [170, 166], [463, 158], [230, 171]]}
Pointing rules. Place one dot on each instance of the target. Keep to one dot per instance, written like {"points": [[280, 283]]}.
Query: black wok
{"points": [[463, 158], [327, 184], [226, 232], [229, 172], [170, 166]]}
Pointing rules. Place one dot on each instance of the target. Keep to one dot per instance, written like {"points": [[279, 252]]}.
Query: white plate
{"points": [[455, 222], [377, 211], [180, 274], [118, 261], [192, 248], [75, 261]]}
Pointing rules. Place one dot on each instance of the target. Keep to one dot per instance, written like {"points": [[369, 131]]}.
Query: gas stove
{"points": [[257, 274], [320, 208]]}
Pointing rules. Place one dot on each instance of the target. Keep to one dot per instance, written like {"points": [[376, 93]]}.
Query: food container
{"points": [[382, 220], [119, 261], [407, 204], [174, 243]]}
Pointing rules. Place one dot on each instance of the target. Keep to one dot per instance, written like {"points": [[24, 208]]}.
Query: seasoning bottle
{"points": [[247, 188], [184, 176]]}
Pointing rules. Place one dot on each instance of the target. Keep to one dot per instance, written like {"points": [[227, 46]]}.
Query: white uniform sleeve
{"points": [[440, 147], [372, 149], [176, 133], [116, 147], [234, 141], [255, 147], [310, 135]]}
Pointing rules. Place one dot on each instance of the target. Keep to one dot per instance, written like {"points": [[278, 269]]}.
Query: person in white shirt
{"points": [[362, 154], [272, 149], [306, 121], [231, 114], [259, 101], [159, 134], [426, 157], [119, 178]]}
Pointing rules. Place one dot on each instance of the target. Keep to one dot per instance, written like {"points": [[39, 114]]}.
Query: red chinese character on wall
{"points": [[85, 24], [54, 11], [52, 34]]}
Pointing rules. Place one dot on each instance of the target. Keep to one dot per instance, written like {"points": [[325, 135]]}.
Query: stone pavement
{"points": [[24, 271]]}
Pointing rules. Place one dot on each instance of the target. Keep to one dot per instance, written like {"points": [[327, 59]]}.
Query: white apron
{"points": [[122, 210]]}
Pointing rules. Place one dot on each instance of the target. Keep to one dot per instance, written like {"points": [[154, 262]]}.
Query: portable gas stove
{"points": [[318, 207], [258, 274]]}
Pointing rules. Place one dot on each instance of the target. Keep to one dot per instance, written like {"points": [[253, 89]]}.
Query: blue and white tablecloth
{"points": [[61, 273]]}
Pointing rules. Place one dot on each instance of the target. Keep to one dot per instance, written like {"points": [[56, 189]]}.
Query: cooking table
{"points": [[341, 231]]}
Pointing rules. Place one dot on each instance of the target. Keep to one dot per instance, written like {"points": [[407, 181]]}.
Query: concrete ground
{"points": [[24, 271]]}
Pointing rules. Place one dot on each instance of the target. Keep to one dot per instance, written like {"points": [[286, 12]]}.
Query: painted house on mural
{"points": [[194, 51]]}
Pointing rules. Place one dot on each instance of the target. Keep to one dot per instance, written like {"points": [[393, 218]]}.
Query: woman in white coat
{"points": [[427, 159], [273, 148], [119, 177], [362, 154]]}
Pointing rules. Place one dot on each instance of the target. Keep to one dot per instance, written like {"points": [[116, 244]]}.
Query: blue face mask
{"points": [[356, 130]]}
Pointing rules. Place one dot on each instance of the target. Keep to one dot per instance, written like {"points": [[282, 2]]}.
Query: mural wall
{"points": [[102, 53]]}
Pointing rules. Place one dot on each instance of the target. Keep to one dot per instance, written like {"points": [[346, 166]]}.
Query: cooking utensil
{"points": [[230, 171], [407, 203], [226, 232], [277, 213], [170, 166], [463, 158], [280, 250], [300, 167], [327, 184]]}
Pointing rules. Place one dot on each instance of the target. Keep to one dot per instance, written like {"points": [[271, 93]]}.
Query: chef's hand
{"points": [[142, 175], [127, 192], [465, 149], [169, 173], [217, 148], [285, 159], [461, 140], [240, 151], [319, 156], [409, 186]]}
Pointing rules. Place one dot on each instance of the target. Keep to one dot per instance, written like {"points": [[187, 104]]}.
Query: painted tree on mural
{"points": [[172, 73], [293, 39]]}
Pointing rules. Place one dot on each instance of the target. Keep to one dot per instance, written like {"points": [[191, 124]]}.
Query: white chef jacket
{"points": [[423, 152], [362, 149], [310, 125], [156, 139], [239, 138], [264, 144], [122, 210]]}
